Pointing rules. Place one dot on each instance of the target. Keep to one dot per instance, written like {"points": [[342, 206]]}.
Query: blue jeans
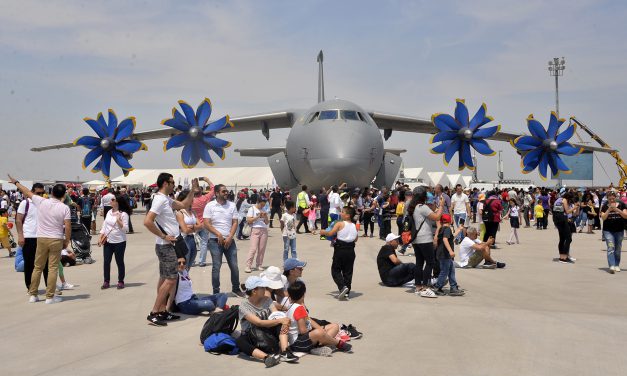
{"points": [[190, 241], [400, 274], [614, 241], [447, 269], [216, 260], [457, 217], [287, 244], [197, 305], [204, 238]]}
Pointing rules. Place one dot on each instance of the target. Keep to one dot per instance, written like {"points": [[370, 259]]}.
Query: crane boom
{"points": [[622, 167]]}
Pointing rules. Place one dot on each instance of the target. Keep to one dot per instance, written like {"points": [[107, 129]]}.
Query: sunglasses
{"points": [[224, 191], [181, 262]]}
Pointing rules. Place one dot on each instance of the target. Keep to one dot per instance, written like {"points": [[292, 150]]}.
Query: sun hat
{"points": [[253, 282], [272, 278], [390, 237]]}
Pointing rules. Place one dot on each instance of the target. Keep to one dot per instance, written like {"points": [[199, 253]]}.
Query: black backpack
{"points": [[487, 215], [220, 322]]}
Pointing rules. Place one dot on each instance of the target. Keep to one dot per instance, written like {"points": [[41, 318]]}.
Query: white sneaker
{"points": [[56, 299], [248, 270], [67, 286], [261, 268], [617, 268], [33, 299]]}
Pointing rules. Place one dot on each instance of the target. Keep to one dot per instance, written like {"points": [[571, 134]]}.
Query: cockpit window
{"points": [[328, 115], [313, 117], [349, 115]]}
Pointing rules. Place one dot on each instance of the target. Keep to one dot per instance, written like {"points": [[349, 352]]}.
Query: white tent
{"points": [[466, 180], [436, 178], [252, 177], [93, 183], [453, 179]]}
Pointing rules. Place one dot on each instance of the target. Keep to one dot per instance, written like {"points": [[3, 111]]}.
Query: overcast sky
{"points": [[63, 61]]}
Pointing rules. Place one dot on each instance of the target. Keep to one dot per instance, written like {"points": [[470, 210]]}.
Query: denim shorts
{"points": [[168, 263]]}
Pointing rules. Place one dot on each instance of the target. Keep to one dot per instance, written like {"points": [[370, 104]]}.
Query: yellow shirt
{"points": [[400, 208], [4, 232], [539, 211]]}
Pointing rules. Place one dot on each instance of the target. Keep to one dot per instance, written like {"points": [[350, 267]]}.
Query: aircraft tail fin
{"points": [[320, 78]]}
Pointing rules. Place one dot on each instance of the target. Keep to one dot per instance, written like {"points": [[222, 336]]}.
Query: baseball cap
{"points": [[446, 218], [293, 263], [253, 282], [273, 278], [390, 237]]}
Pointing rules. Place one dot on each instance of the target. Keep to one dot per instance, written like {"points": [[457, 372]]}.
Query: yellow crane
{"points": [[622, 167]]}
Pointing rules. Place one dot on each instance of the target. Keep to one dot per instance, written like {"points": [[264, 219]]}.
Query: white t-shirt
{"points": [[30, 222], [106, 199], [111, 229], [459, 203], [335, 203], [4, 204], [466, 250], [221, 217], [513, 211], [184, 292], [289, 225], [253, 212], [162, 207]]}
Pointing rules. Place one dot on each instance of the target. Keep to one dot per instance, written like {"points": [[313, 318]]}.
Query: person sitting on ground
{"points": [[472, 251], [394, 272], [255, 311], [293, 270], [276, 284], [191, 304], [305, 335], [445, 254]]}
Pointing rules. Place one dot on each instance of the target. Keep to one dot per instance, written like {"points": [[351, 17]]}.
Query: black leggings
{"points": [[368, 222], [425, 261], [109, 250], [342, 265], [28, 251], [491, 228], [566, 237]]}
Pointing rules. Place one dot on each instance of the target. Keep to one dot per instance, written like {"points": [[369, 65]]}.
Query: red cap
{"points": [[446, 218]]}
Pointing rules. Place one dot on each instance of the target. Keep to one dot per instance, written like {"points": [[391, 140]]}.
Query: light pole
{"points": [[556, 69]]}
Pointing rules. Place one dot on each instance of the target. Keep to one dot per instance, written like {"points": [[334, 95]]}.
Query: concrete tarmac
{"points": [[535, 317]]}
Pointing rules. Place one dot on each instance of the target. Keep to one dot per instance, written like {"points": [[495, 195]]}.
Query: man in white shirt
{"points": [[26, 223], [335, 202], [472, 252], [106, 202], [53, 235], [220, 219], [161, 221], [460, 203]]}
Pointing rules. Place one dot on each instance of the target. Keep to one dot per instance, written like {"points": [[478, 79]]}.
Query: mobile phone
{"points": [[462, 221]]}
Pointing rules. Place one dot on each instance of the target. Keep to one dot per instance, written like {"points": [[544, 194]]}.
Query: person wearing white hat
{"points": [[255, 312], [276, 283], [394, 272]]}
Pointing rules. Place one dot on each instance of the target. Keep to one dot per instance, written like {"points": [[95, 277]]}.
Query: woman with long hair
{"points": [[113, 239], [189, 224], [423, 243], [562, 212]]}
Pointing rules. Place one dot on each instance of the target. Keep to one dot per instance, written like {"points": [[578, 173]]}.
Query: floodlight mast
{"points": [[556, 69]]}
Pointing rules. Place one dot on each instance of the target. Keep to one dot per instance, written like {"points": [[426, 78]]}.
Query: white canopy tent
{"points": [[252, 177], [466, 180], [436, 177], [453, 179]]}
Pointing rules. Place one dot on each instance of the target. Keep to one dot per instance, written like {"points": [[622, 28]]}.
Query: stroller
{"points": [[81, 243], [12, 241]]}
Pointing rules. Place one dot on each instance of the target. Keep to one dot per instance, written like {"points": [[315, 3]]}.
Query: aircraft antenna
{"points": [[320, 78]]}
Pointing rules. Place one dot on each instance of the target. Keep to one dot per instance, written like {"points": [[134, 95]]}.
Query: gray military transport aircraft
{"points": [[333, 141]]}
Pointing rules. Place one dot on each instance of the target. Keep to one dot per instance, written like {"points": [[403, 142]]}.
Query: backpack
{"points": [[86, 209], [487, 215], [220, 322], [409, 232], [220, 343]]}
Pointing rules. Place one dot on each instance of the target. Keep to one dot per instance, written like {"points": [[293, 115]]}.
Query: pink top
{"points": [[199, 203], [51, 214]]}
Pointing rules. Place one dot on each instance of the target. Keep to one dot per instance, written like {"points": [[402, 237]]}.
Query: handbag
{"points": [[265, 339], [180, 247], [246, 230]]}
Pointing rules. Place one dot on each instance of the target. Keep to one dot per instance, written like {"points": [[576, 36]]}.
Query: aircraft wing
{"points": [[259, 152], [402, 123], [259, 122]]}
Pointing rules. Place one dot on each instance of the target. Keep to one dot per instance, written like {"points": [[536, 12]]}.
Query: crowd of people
{"points": [[445, 228]]}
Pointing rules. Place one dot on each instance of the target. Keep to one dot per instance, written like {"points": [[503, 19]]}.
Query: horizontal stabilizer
{"points": [[395, 151]]}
